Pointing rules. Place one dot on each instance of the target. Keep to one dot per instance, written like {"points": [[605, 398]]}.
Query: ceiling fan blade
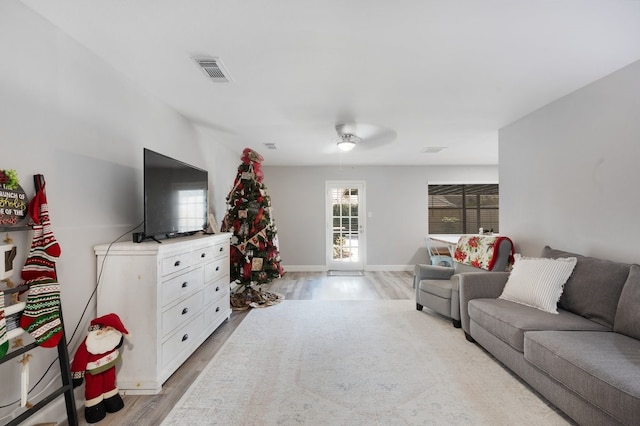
{"points": [[347, 128], [372, 136], [379, 138]]}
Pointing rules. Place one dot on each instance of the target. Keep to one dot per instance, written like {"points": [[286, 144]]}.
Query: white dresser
{"points": [[170, 296]]}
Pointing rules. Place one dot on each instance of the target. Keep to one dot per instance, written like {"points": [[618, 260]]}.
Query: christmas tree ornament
{"points": [[256, 264]]}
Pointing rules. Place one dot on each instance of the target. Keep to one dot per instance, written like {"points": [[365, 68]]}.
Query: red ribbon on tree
{"points": [[251, 157]]}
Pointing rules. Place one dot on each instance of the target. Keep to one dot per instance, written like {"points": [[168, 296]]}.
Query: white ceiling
{"points": [[444, 73]]}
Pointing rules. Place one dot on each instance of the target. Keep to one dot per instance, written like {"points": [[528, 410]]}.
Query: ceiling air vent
{"points": [[214, 68], [271, 145], [433, 149]]}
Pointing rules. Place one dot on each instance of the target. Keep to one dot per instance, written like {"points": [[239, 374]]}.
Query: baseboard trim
{"points": [[373, 268], [389, 268], [305, 268]]}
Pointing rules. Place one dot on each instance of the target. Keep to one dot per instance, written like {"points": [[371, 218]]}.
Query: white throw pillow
{"points": [[538, 282]]}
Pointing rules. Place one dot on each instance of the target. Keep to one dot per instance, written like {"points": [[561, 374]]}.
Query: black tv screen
{"points": [[175, 197]]}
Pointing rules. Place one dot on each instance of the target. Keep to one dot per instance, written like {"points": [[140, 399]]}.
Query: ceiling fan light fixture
{"points": [[347, 142]]}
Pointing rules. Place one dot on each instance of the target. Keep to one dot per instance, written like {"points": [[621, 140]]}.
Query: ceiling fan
{"points": [[352, 134]]}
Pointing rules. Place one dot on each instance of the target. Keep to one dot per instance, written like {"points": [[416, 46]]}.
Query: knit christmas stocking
{"points": [[34, 207], [44, 247], [4, 341], [41, 316], [49, 243], [38, 263]]}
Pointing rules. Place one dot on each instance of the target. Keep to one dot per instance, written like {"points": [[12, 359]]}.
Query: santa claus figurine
{"points": [[96, 360]]}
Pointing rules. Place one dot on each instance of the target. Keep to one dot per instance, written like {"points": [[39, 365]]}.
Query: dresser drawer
{"points": [[182, 340], [182, 285], [202, 255], [216, 270], [183, 311], [171, 264], [215, 291], [220, 250], [213, 313]]}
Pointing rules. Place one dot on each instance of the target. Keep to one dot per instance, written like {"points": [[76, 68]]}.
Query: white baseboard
{"points": [[323, 268], [389, 268], [305, 268]]}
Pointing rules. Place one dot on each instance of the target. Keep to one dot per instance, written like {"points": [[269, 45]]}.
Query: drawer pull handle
{"points": [[185, 337], [218, 288], [217, 308], [203, 255], [185, 284], [217, 268], [221, 248], [185, 310], [177, 263]]}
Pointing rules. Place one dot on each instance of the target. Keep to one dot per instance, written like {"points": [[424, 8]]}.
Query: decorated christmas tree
{"points": [[255, 257]]}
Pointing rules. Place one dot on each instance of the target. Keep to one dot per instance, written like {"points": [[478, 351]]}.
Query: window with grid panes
{"points": [[463, 209]]}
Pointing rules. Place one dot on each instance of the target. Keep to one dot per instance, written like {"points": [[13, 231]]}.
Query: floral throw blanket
{"points": [[480, 251]]}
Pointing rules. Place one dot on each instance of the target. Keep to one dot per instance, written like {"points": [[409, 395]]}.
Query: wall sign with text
{"points": [[13, 205]]}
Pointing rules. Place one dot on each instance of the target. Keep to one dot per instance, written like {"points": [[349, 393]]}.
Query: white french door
{"points": [[345, 214]]}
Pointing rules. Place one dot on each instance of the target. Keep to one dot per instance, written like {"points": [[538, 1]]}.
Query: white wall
{"points": [[67, 115], [569, 172], [396, 197]]}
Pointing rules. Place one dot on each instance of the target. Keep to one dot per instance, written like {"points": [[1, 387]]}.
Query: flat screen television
{"points": [[175, 197]]}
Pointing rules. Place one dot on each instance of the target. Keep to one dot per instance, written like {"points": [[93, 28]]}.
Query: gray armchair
{"points": [[437, 286]]}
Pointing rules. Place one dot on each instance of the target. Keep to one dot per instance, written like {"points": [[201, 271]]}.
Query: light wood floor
{"points": [[151, 409]]}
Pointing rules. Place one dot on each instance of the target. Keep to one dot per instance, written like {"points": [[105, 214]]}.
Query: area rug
{"points": [[378, 362]]}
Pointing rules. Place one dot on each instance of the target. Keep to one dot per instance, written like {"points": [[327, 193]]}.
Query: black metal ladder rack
{"points": [[63, 354], [65, 373]]}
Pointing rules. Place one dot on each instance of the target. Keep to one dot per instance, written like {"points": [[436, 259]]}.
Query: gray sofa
{"points": [[585, 359]]}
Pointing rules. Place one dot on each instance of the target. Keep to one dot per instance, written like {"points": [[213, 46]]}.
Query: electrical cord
{"points": [[86, 306], [84, 311]]}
